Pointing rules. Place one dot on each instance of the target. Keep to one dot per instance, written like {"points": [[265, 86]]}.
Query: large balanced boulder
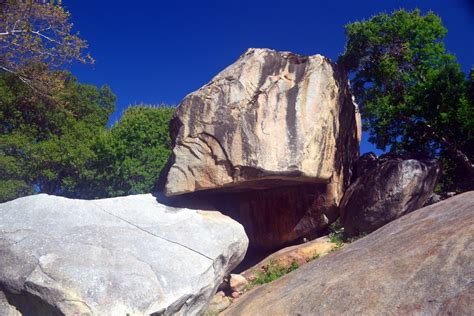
{"points": [[269, 116], [270, 121], [119, 256], [387, 191], [419, 264]]}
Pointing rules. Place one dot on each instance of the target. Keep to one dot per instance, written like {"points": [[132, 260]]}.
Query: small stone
{"points": [[434, 198], [218, 303], [237, 282], [450, 194], [220, 294]]}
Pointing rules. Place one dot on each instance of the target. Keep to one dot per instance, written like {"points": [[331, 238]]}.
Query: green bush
{"points": [[412, 93], [272, 272], [336, 234]]}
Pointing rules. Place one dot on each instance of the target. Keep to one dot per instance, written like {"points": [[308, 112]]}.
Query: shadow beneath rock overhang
{"points": [[29, 304]]}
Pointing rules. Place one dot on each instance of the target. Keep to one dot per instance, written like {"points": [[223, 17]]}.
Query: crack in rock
{"points": [[148, 232]]}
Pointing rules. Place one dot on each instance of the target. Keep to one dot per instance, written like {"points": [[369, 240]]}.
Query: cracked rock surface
{"points": [[113, 256]]}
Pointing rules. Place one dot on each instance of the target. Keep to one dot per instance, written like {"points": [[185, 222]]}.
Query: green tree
{"points": [[46, 142], [61, 144], [131, 155], [412, 93], [54, 137]]}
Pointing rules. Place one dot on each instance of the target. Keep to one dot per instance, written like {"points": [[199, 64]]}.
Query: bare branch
{"points": [[38, 33], [46, 37]]}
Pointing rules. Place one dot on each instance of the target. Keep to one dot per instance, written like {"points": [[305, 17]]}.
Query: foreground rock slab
{"points": [[118, 256], [386, 191], [420, 264]]}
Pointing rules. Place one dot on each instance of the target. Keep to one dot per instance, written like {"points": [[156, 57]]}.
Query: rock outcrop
{"points": [[118, 256], [386, 192], [419, 264], [272, 126]]}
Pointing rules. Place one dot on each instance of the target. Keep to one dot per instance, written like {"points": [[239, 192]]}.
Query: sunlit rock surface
{"points": [[419, 264], [270, 121], [119, 256]]}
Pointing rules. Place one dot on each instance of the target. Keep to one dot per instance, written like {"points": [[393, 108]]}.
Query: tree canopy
{"points": [[54, 136], [131, 155], [64, 147], [45, 143], [412, 93]]}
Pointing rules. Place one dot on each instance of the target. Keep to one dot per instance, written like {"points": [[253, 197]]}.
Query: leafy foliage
{"points": [[337, 238], [45, 144], [336, 233], [272, 272], [132, 154], [61, 145], [413, 95]]}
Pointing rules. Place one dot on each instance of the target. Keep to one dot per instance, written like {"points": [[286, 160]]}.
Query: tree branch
{"points": [[12, 32], [451, 148], [25, 80]]}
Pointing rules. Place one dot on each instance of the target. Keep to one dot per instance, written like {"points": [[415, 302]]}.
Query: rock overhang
{"points": [[265, 181]]}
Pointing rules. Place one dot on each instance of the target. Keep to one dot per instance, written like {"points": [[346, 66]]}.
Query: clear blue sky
{"points": [[159, 51]]}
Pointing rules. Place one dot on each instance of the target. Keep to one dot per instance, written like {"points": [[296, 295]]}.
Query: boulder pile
{"points": [[266, 155]]}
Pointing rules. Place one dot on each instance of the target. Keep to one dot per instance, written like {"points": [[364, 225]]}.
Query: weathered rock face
{"points": [[420, 264], [270, 115], [387, 192], [128, 255], [270, 121]]}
